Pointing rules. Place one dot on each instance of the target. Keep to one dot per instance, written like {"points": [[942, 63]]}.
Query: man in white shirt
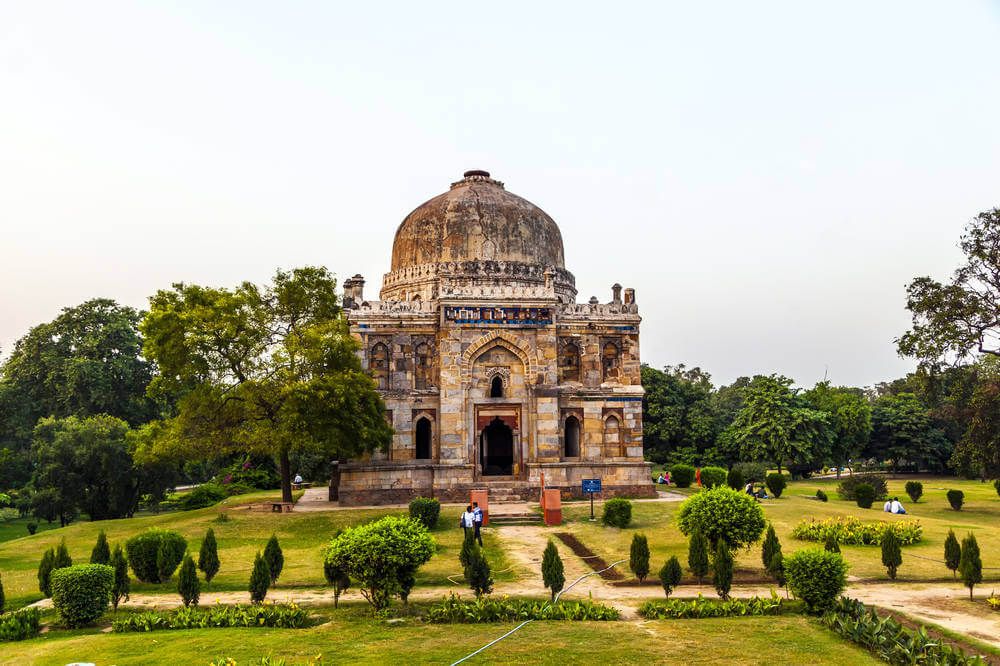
{"points": [[896, 506]]}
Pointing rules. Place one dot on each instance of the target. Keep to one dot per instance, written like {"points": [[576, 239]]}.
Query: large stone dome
{"points": [[477, 220]]}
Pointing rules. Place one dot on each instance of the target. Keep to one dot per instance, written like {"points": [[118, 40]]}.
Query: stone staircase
{"points": [[508, 504]]}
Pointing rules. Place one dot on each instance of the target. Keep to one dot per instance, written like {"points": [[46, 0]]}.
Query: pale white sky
{"points": [[767, 175]]}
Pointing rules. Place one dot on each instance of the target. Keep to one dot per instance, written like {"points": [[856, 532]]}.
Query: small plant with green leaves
{"points": [[426, 510], [776, 483], [777, 569], [465, 552], [122, 585], [188, 585], [552, 570], [478, 574], [670, 575], [831, 544], [722, 569], [713, 476], [617, 512], [101, 554], [821, 495], [915, 490], [892, 554], [956, 498], [735, 479], [155, 554], [20, 624], [260, 579], [45, 572], [770, 546], [80, 594], [638, 560], [952, 553], [275, 558], [698, 555], [682, 475], [971, 564], [864, 495], [208, 556], [816, 576], [62, 558]]}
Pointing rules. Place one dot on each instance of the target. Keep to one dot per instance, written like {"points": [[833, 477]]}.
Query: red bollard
{"points": [[552, 506], [482, 496]]}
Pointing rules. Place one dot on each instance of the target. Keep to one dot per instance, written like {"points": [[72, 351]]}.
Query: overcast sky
{"points": [[768, 176]]}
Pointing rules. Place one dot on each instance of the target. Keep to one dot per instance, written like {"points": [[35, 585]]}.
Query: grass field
{"points": [[302, 537], [350, 635], [980, 515]]}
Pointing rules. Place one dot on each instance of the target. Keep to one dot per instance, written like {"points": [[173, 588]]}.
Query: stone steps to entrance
{"points": [[518, 518]]}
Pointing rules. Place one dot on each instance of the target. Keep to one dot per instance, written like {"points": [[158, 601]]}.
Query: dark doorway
{"points": [[423, 439], [496, 387], [497, 449], [571, 442]]}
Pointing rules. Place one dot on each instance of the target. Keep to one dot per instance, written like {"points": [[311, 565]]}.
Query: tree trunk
{"points": [[285, 469]]}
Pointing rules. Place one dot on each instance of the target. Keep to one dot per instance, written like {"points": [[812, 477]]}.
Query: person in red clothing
{"points": [[697, 476]]}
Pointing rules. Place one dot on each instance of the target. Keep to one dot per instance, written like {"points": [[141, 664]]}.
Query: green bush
{"points": [[155, 554], [260, 579], [478, 574], [259, 474], [381, 553], [956, 498], [686, 609], [120, 590], [62, 558], [849, 484], [856, 532], [698, 555], [275, 558], [20, 624], [776, 567], [468, 547], [32, 527], [952, 552], [670, 575], [208, 556], [617, 512], [971, 564], [892, 556], [454, 610], [204, 495], [821, 496], [735, 479], [770, 546], [336, 579], [101, 554], [681, 475], [864, 495], [751, 471], [638, 560], [914, 489], [426, 510], [713, 476], [831, 544], [45, 572], [81, 593], [816, 577], [279, 616], [889, 640], [552, 570], [776, 483], [723, 513], [188, 585], [722, 569]]}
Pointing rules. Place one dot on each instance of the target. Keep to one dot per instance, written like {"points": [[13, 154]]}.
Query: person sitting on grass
{"points": [[895, 506], [660, 480]]}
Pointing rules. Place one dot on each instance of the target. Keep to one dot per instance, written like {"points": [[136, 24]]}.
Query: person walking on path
{"points": [[468, 520], [477, 521]]}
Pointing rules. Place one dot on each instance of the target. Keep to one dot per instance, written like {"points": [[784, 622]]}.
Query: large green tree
{"points": [[978, 451], [902, 431], [679, 423], [850, 417], [268, 369], [777, 424], [960, 318]]}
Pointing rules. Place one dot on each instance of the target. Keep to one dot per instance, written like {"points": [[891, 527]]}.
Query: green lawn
{"points": [[302, 537], [351, 636], [980, 515], [18, 527]]}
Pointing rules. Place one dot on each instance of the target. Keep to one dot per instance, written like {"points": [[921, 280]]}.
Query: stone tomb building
{"points": [[492, 374]]}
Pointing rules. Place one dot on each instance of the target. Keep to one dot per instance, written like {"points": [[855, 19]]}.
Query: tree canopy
{"points": [[268, 369]]}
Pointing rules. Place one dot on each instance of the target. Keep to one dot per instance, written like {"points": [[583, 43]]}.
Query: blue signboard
{"points": [[591, 485]]}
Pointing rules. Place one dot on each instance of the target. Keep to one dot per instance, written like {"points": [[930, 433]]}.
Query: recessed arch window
{"points": [[569, 363], [423, 366], [423, 439], [378, 364], [571, 437], [496, 387], [612, 437], [610, 360]]}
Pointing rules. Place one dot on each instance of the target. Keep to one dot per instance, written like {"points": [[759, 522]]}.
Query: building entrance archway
{"points": [[496, 449]]}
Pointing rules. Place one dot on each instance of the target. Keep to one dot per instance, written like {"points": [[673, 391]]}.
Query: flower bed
{"points": [[282, 616], [504, 609], [683, 609], [856, 532]]}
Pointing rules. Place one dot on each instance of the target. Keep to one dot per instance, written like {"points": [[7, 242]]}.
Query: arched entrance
{"points": [[423, 440], [571, 442], [496, 449]]}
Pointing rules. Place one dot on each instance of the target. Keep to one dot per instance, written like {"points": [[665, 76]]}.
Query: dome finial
{"points": [[476, 172]]}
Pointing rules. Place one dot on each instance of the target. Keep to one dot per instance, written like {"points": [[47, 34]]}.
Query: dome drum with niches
{"points": [[475, 235]]}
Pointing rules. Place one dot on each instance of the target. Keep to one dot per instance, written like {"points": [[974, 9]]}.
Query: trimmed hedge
{"points": [[914, 489], [81, 593], [281, 616], [682, 475], [617, 512], [956, 498], [426, 510], [856, 532], [864, 495], [683, 609], [723, 513], [776, 483], [21, 624], [455, 610], [816, 576], [155, 554], [713, 476], [821, 496]]}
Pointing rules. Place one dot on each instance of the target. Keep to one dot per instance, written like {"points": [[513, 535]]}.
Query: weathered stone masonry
{"points": [[491, 373]]}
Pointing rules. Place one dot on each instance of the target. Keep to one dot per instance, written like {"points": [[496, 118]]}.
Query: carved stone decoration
{"points": [[498, 371]]}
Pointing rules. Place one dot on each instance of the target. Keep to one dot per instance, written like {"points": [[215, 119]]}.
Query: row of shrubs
{"points": [[856, 532], [889, 640], [736, 478], [20, 624], [683, 609], [455, 610], [282, 616]]}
